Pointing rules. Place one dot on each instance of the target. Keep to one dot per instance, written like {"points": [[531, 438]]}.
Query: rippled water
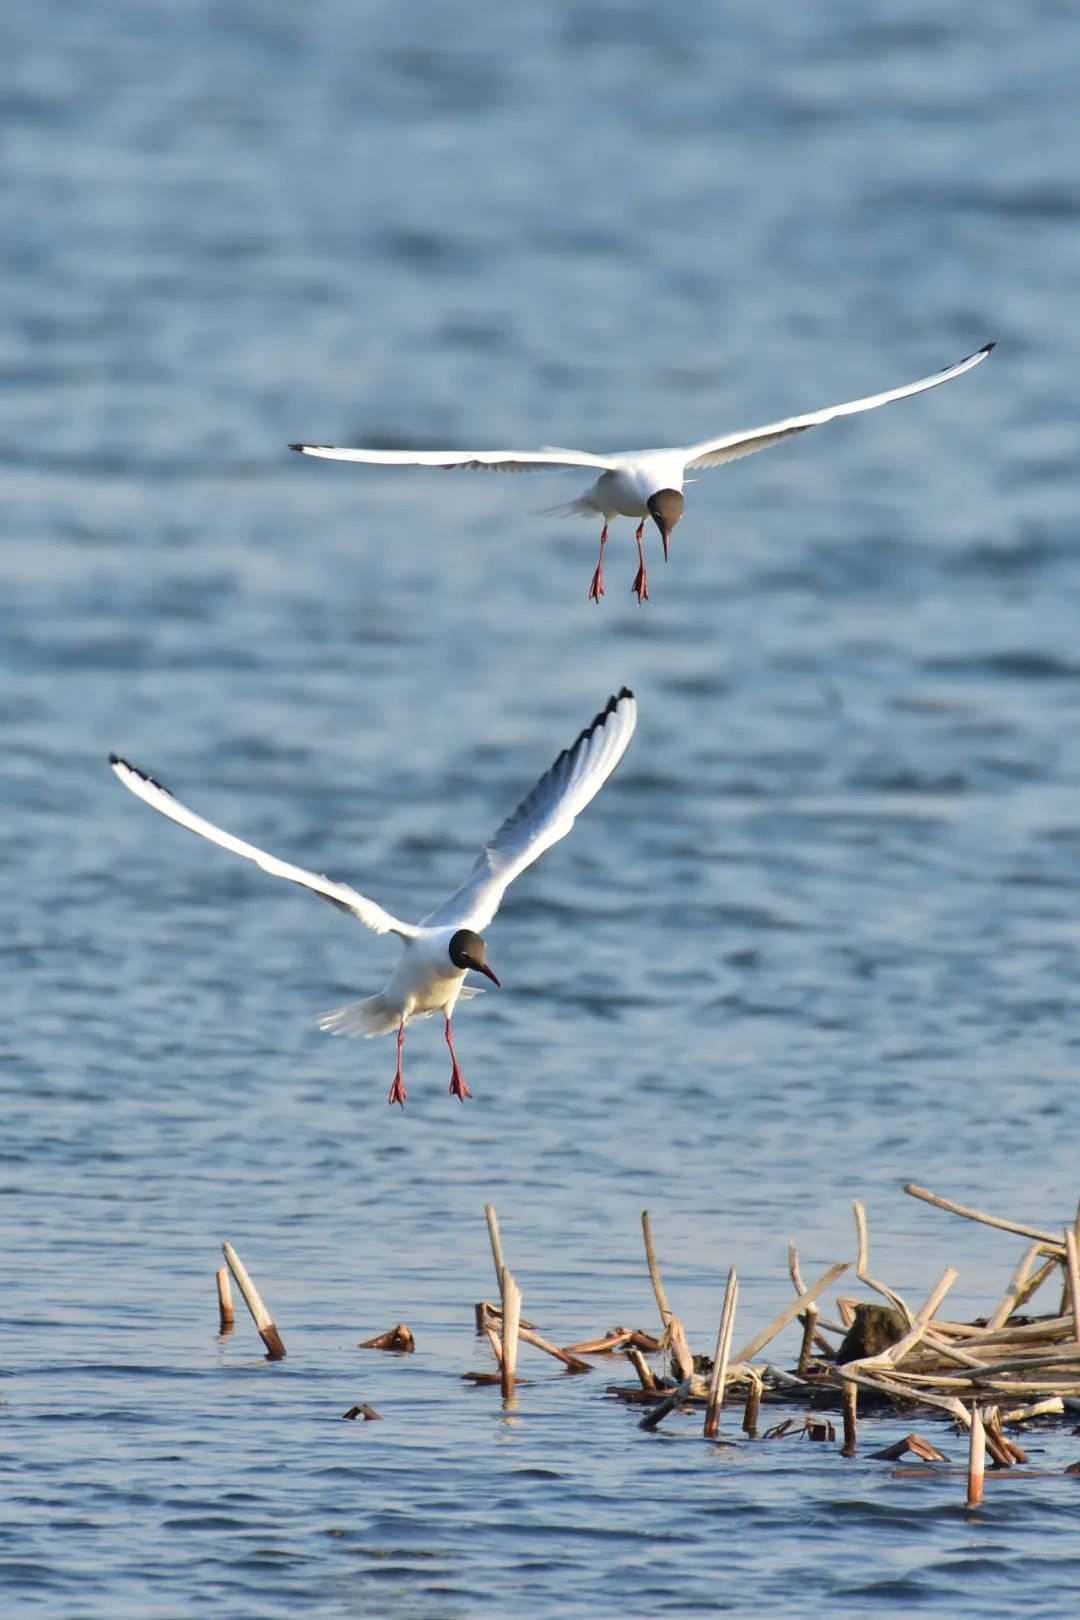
{"points": [[819, 935]]}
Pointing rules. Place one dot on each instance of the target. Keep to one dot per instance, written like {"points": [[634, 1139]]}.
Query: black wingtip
{"points": [[988, 346], [300, 447], [114, 759]]}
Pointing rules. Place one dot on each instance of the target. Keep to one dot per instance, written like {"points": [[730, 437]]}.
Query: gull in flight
{"points": [[638, 483], [439, 950]]}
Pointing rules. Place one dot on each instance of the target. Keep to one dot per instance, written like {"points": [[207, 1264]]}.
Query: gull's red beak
{"points": [[482, 967]]}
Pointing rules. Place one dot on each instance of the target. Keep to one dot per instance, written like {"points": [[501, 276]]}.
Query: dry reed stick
{"points": [[1049, 1238], [862, 1264], [654, 1271], [976, 1460], [268, 1333], [496, 1240], [897, 1351], [511, 1318], [226, 1314], [529, 1336], [660, 1412], [720, 1360], [780, 1322], [682, 1360], [1001, 1313], [1073, 1273]]}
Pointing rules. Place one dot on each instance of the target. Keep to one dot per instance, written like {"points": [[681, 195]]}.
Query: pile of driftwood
{"points": [[988, 1375]]}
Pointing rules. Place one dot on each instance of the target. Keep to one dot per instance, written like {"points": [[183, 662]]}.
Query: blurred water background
{"points": [[818, 936]]}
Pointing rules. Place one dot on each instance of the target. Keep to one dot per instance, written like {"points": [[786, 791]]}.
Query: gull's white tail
{"points": [[582, 507], [376, 1015]]}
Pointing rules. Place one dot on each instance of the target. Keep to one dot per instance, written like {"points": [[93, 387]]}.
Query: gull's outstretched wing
{"points": [[339, 894], [714, 452], [543, 817], [507, 461]]}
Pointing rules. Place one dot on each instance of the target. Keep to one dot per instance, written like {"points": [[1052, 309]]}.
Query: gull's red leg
{"points": [[596, 589], [458, 1088], [397, 1090], [640, 587]]}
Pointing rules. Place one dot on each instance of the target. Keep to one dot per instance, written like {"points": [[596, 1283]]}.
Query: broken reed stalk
{"points": [[682, 1360], [1072, 1267], [529, 1336], [922, 1321], [862, 1268], [976, 1460], [654, 1271], [641, 1367], [496, 1240], [226, 1314], [753, 1405], [851, 1402], [268, 1333], [720, 1360], [809, 1334], [1049, 1238], [660, 1412], [511, 1319], [780, 1322], [1000, 1315]]}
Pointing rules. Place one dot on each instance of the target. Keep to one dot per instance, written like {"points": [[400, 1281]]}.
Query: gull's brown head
{"points": [[469, 950], [666, 507]]}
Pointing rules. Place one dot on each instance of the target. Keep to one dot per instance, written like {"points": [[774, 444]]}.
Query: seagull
{"points": [[638, 483], [448, 942]]}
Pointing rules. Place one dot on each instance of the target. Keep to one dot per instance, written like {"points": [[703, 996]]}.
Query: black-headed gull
{"points": [[638, 483], [441, 949]]}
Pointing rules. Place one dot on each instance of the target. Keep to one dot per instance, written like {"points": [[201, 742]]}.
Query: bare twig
{"points": [[496, 1240]]}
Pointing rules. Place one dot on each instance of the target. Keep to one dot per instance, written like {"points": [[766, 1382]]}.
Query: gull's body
{"points": [[639, 483], [446, 944]]}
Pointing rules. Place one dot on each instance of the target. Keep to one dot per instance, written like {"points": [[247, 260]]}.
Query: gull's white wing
{"points": [[507, 461], [339, 894], [543, 817], [714, 452]]}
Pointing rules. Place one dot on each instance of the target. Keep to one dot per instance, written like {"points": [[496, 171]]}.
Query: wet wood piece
{"points": [[851, 1397], [720, 1360], [915, 1444], [753, 1406], [659, 1412], [1051, 1239], [226, 1314], [397, 1339], [368, 1413], [267, 1332]]}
